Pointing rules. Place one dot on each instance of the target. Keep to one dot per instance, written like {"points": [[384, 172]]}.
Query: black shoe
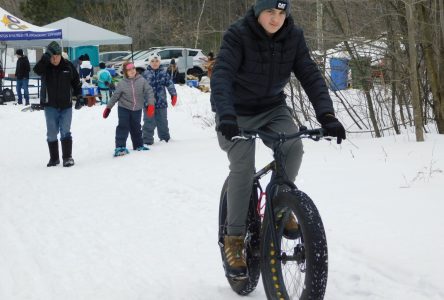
{"points": [[53, 154], [148, 143], [78, 105], [67, 153], [68, 162], [53, 163]]}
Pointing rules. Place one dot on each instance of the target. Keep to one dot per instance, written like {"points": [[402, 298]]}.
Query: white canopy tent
{"points": [[77, 33]]}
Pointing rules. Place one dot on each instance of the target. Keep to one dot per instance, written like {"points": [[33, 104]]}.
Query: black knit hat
{"points": [[19, 52], [54, 48], [270, 4]]}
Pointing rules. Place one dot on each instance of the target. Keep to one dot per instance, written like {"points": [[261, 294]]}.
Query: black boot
{"points": [[66, 153], [53, 154]]}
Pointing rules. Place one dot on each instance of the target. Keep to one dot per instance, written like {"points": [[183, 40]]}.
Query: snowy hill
{"points": [[144, 226]]}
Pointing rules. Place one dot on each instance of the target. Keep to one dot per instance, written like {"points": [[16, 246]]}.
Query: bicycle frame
{"points": [[277, 168]]}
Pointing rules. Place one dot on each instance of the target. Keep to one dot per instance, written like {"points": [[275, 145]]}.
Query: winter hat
{"points": [[19, 52], [54, 48], [154, 56], [262, 5]]}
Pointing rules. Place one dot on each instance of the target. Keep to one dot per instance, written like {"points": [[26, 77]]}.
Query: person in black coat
{"points": [[22, 70], [254, 64], [61, 82]]}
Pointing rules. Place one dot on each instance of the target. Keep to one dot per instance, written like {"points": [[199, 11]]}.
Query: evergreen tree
{"points": [[42, 12]]}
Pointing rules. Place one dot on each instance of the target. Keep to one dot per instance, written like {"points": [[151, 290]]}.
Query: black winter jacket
{"points": [[60, 82], [252, 69], [22, 68]]}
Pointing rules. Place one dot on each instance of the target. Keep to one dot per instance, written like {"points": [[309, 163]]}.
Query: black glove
{"points": [[228, 127], [332, 127], [106, 83], [79, 102], [46, 57]]}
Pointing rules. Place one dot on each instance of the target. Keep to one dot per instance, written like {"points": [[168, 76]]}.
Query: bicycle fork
{"points": [[270, 193]]}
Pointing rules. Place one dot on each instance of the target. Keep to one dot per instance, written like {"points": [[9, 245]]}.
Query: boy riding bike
{"points": [[254, 64]]}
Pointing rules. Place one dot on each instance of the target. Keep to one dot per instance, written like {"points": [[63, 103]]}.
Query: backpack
{"points": [[7, 95]]}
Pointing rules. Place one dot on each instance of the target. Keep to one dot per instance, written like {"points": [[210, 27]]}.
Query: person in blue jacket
{"points": [[159, 80], [104, 80], [257, 56]]}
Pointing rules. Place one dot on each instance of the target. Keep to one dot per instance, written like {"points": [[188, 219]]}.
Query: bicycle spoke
{"points": [[293, 272]]}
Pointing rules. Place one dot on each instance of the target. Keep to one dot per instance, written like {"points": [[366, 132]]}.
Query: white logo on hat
{"points": [[281, 5]]}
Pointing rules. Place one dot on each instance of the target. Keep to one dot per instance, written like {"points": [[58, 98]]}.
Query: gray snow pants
{"points": [[159, 120], [241, 155]]}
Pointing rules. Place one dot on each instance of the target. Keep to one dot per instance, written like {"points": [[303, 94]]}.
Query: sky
{"points": [[144, 226]]}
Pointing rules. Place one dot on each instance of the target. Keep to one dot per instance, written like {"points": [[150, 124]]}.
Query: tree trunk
{"points": [[198, 23], [432, 71], [417, 113]]}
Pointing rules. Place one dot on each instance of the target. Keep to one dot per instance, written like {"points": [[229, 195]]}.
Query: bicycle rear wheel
{"points": [[300, 272], [252, 247]]}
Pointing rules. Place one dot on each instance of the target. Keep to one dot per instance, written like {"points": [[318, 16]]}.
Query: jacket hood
{"points": [[86, 64]]}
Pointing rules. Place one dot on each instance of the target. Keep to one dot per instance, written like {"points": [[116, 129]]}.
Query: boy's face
{"points": [[155, 64], [272, 20]]}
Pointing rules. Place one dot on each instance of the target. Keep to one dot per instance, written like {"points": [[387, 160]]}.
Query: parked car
{"points": [[117, 65], [167, 53], [110, 55]]}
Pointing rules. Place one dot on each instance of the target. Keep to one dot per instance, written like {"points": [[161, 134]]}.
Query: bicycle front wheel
{"points": [[300, 270]]}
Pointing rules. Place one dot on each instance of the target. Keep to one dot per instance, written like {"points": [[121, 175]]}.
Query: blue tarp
{"points": [[339, 73]]}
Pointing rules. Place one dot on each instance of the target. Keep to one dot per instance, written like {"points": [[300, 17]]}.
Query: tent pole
{"points": [[4, 62], [132, 53]]}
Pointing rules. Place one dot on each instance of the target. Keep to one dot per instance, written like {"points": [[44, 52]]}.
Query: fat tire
{"points": [[313, 240], [247, 285]]}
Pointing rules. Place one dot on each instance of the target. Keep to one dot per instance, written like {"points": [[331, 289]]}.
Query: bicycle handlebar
{"points": [[314, 134]]}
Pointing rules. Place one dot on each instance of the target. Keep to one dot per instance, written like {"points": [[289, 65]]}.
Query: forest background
{"points": [[405, 87]]}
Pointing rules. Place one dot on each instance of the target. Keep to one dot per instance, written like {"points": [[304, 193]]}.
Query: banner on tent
{"points": [[14, 29]]}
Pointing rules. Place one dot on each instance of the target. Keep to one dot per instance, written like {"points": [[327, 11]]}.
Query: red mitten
{"points": [[150, 111], [173, 100], [106, 112]]}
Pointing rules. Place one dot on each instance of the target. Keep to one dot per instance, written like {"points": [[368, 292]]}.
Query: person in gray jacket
{"points": [[133, 93]]}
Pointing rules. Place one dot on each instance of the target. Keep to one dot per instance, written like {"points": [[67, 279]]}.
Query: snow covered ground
{"points": [[144, 226]]}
